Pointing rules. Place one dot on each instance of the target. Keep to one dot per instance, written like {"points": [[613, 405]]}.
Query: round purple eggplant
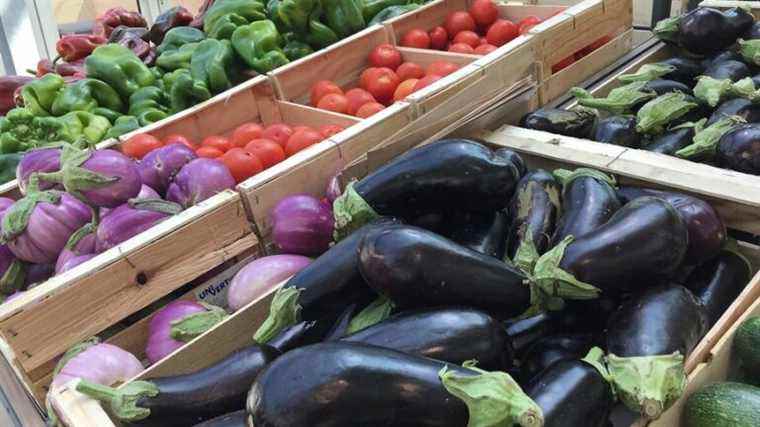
{"points": [[198, 180], [79, 248], [37, 227], [145, 193], [549, 350], [159, 167], [482, 232], [617, 130], [705, 30], [739, 149], [741, 107], [131, 219], [576, 123], [43, 160]]}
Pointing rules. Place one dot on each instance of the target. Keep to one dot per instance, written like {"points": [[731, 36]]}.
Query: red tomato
{"points": [[410, 70], [301, 140], [385, 55], [563, 63], [302, 127], [267, 151], [467, 37], [366, 75], [525, 28], [209, 152], [334, 102], [322, 88], [501, 32], [139, 145], [441, 68], [382, 85], [404, 89], [459, 21], [278, 132], [483, 41], [416, 38], [330, 130], [426, 81], [531, 19], [369, 109], [245, 133], [356, 98], [594, 46], [484, 12], [242, 164], [461, 48], [485, 49], [176, 138], [218, 142], [438, 38]]}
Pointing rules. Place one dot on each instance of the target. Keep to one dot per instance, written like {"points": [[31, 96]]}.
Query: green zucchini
{"points": [[747, 348], [723, 405]]}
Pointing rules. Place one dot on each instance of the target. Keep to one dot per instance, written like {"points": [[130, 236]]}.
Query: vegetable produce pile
{"points": [[535, 298], [701, 104]]}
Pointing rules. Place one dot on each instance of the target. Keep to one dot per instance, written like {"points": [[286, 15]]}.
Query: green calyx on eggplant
{"points": [[706, 141], [654, 116], [648, 338], [675, 138], [713, 91], [298, 388], [681, 69], [374, 313], [187, 328], [705, 30], [576, 123], [617, 130], [645, 240], [621, 100], [741, 107], [739, 149], [535, 209], [427, 179], [750, 51]]}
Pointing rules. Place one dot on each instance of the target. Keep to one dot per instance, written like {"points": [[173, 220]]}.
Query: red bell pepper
{"points": [[44, 66], [114, 17], [8, 87], [70, 68], [77, 46]]}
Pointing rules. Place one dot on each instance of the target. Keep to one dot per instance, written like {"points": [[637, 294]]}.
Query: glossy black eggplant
{"points": [[482, 232], [587, 203], [671, 141], [323, 289], [701, 111], [447, 334], [753, 33], [705, 30], [572, 393], [447, 175], [730, 69], [524, 332], [577, 123], [417, 268], [663, 86], [739, 149], [188, 399], [618, 130], [707, 233], [233, 419], [342, 384], [726, 55], [756, 80], [549, 350], [741, 107], [535, 208], [298, 335], [685, 70], [718, 282], [585, 316]]}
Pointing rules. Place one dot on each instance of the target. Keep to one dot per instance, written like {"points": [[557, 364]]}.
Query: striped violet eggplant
{"points": [[131, 219], [198, 180], [453, 335], [79, 248], [37, 227], [551, 349], [617, 130], [96, 362], [427, 179], [261, 276], [648, 338], [42, 160], [322, 289], [705, 30], [177, 323], [576, 123], [182, 400], [535, 208], [298, 390], [588, 201], [159, 167], [417, 268], [482, 232], [302, 225], [145, 193], [644, 241], [739, 149]]}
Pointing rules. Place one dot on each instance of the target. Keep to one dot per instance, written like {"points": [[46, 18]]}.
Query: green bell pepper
{"points": [[176, 59], [225, 26], [392, 12], [295, 14], [370, 8], [39, 95], [84, 124], [319, 34], [344, 16], [119, 67], [122, 125], [178, 37], [184, 91], [258, 44], [17, 131], [149, 105], [111, 115], [85, 95], [246, 11], [213, 63], [8, 164], [296, 50]]}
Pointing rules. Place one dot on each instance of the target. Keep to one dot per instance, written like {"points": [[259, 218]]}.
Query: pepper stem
{"points": [[351, 211], [187, 328], [284, 311], [377, 311], [556, 282], [123, 400]]}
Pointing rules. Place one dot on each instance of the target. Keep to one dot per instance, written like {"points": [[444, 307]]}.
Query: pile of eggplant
{"points": [[465, 290], [702, 104]]}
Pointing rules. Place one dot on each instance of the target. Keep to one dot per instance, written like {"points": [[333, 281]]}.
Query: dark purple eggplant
{"points": [[648, 338], [535, 208], [705, 30], [739, 149], [753, 33], [756, 80], [447, 334], [585, 316], [572, 393], [547, 351], [417, 268], [323, 289], [233, 419], [298, 335], [707, 233], [427, 179], [730, 69], [588, 201], [618, 130], [644, 241], [672, 140], [524, 332], [681, 69], [741, 107], [482, 232], [577, 123], [726, 55], [718, 282], [187, 399], [662, 86], [340, 384]]}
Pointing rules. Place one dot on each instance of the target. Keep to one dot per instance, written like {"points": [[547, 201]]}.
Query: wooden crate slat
{"points": [[75, 409]]}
